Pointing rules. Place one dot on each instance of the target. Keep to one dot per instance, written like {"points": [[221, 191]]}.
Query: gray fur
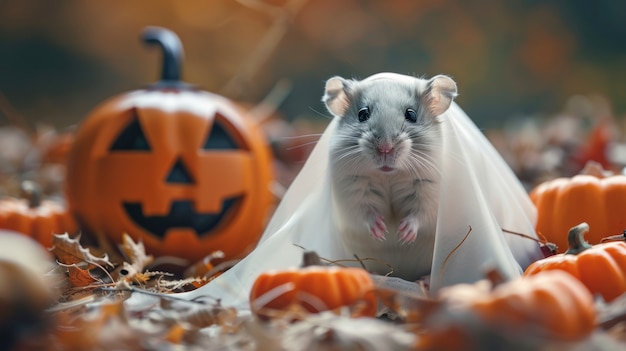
{"points": [[367, 195]]}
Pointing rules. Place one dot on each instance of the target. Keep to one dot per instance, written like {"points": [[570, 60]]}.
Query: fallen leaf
{"points": [[327, 331], [205, 265], [79, 277], [176, 333], [69, 251], [135, 253]]}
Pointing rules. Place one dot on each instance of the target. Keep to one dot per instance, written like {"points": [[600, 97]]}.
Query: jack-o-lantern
{"points": [[179, 168]]}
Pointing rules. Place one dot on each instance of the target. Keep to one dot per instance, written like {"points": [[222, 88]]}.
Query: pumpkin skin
{"points": [[38, 219], [601, 268], [565, 202], [180, 169], [550, 305], [329, 287]]}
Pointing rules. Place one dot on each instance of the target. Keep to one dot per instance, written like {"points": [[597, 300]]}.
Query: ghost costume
{"points": [[478, 190]]}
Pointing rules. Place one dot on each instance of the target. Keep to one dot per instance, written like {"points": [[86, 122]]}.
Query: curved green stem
{"points": [[32, 192], [311, 258], [172, 51], [576, 239]]}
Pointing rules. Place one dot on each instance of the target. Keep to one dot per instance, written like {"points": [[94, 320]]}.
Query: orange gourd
{"points": [[36, 217], [315, 288], [181, 169], [552, 305], [591, 197], [601, 268]]}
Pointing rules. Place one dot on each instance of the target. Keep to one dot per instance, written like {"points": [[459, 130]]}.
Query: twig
{"points": [[157, 294], [526, 236], [445, 261], [267, 45]]}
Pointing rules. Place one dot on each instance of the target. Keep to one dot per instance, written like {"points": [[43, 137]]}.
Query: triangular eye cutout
{"points": [[179, 174], [132, 137], [219, 139]]}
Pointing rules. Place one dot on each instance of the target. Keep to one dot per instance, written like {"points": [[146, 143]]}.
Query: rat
{"points": [[385, 167], [401, 175]]}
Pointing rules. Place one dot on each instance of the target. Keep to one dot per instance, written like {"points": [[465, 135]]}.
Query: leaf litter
{"points": [[97, 309]]}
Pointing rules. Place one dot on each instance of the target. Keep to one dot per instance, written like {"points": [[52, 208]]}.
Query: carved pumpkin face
{"points": [[180, 169]]}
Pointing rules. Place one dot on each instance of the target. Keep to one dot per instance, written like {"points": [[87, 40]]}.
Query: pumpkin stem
{"points": [[172, 51], [311, 258], [32, 192], [595, 169], [576, 239]]}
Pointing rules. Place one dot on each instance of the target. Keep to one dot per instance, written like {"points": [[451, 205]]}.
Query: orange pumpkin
{"points": [[550, 305], [34, 217], [315, 288], [602, 267], [178, 168], [594, 198]]}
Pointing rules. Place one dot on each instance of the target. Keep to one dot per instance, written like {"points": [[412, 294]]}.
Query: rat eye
{"points": [[410, 115], [364, 114]]}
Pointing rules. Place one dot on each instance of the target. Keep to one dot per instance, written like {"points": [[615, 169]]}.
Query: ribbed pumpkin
{"points": [[551, 305], [602, 267], [315, 288], [36, 217], [590, 197], [179, 168]]}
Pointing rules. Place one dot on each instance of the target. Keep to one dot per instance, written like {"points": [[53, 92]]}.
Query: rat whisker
{"points": [[426, 163], [294, 147]]}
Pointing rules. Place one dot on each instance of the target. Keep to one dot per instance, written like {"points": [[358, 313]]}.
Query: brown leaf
{"points": [[128, 274], [176, 334], [69, 251], [204, 266], [168, 286], [327, 331], [135, 253], [79, 277], [411, 308], [215, 315], [103, 328]]}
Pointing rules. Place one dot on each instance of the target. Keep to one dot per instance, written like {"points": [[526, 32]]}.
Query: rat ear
{"points": [[440, 91], [336, 96]]}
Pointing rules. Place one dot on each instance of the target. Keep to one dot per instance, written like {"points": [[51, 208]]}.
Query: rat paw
{"points": [[407, 230], [377, 226]]}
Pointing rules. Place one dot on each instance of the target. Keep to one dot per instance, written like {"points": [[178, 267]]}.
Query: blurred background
{"points": [[519, 64]]}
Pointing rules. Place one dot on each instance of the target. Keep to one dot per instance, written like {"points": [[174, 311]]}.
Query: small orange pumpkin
{"points": [[591, 197], [550, 305], [602, 267], [315, 288], [34, 217], [181, 169]]}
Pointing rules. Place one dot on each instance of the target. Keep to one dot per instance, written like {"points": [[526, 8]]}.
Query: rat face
{"points": [[386, 127]]}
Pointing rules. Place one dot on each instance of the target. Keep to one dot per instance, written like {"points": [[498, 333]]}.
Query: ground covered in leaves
{"points": [[115, 300]]}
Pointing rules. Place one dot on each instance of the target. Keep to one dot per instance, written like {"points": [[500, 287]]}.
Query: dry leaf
{"points": [[69, 251], [79, 277], [205, 265], [327, 331], [102, 328], [176, 333], [169, 286], [410, 308], [128, 273], [135, 253]]}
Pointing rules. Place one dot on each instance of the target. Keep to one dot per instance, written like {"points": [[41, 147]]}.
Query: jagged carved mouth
{"points": [[182, 214]]}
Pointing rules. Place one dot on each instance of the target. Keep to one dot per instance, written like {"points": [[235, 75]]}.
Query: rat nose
{"points": [[385, 147]]}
